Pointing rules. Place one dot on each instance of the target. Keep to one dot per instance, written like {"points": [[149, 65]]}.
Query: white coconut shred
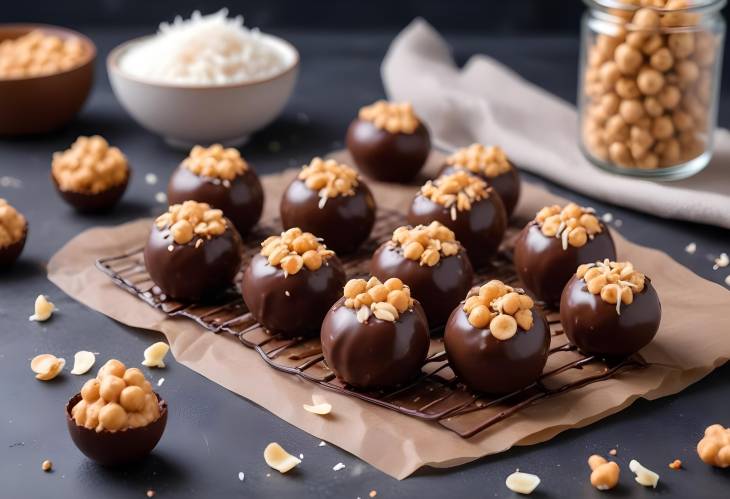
{"points": [[204, 50]]}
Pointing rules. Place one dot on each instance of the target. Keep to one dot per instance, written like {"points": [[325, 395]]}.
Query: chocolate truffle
{"points": [[193, 252], [550, 248], [13, 233], [330, 199], [91, 176], [609, 309], [224, 180], [289, 286], [496, 341], [388, 142], [116, 418], [432, 262], [492, 165], [376, 335], [465, 204]]}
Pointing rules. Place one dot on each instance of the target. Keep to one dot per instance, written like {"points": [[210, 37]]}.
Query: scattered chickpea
{"points": [[676, 464], [604, 474], [47, 465]]}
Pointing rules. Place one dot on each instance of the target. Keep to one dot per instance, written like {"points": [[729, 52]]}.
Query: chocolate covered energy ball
{"points": [[224, 180], [550, 248], [433, 264], [291, 283], [496, 341], [492, 165], [388, 141], [610, 309], [376, 335], [13, 233], [467, 205], [193, 252], [91, 176], [330, 199]]}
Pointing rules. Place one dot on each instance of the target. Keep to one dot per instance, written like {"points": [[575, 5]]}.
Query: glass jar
{"points": [[648, 85]]}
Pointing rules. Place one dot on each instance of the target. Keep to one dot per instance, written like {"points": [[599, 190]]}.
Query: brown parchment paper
{"points": [[692, 340]]}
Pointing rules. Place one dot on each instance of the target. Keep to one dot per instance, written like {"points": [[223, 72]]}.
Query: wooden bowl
{"points": [[39, 104]]}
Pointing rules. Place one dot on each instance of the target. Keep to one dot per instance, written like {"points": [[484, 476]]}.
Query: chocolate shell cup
{"points": [[596, 328], [292, 305], [377, 353], [119, 447], [507, 185], [439, 288], [10, 253], [99, 202], [241, 199], [386, 156], [486, 364], [544, 267], [480, 229], [188, 273], [344, 222]]}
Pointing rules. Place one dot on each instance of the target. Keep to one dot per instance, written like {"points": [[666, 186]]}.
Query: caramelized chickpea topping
{"points": [[616, 282], [490, 161], [216, 162], [294, 249], [190, 219], [386, 301], [500, 308], [426, 244], [574, 225], [329, 178], [456, 191], [390, 116]]}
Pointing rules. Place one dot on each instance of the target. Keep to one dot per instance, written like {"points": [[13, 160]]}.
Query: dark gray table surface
{"points": [[213, 434]]}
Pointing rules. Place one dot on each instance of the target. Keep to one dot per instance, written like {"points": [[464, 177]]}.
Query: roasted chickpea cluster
{"points": [[649, 87], [391, 116], [386, 301], [499, 307], [38, 54], [294, 249], [216, 162], [616, 282], [191, 219], [329, 178], [490, 161], [426, 244], [12, 224], [714, 448], [89, 166], [456, 191], [117, 399], [574, 225]]}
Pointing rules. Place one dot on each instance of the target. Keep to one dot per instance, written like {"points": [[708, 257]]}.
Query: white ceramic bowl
{"points": [[186, 115]]}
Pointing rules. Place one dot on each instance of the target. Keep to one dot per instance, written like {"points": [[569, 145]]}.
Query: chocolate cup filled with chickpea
{"points": [[330, 199], [432, 262], [466, 205], [117, 418], [291, 283], [648, 88], [491, 165], [610, 309], [13, 234], [550, 248], [91, 176], [224, 180], [376, 335], [193, 252], [496, 341], [388, 142]]}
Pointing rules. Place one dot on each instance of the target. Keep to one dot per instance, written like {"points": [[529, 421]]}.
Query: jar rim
{"points": [[696, 6]]}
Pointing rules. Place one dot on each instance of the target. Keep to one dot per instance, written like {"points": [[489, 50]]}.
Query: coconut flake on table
{"points": [[204, 50]]}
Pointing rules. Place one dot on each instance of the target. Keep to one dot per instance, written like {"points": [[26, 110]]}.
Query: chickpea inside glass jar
{"points": [[648, 85]]}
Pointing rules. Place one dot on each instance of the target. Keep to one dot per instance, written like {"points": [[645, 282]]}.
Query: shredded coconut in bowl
{"points": [[204, 50]]}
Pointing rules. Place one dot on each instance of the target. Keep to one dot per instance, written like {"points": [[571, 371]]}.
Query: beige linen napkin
{"points": [[489, 103]]}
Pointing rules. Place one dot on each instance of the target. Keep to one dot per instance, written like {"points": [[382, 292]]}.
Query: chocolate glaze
{"points": [[595, 328], [241, 201], [479, 230], [489, 365], [10, 253], [311, 294], [120, 447], [378, 353], [191, 274], [344, 222], [507, 185], [438, 288], [544, 266], [385, 156], [97, 202]]}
